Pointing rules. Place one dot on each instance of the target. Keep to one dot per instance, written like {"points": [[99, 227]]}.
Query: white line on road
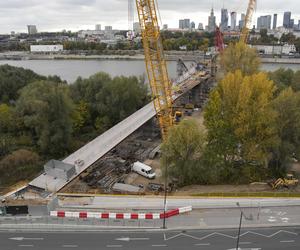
{"points": [[25, 245], [70, 246], [287, 241], [114, 246], [245, 243], [159, 245], [202, 244]]}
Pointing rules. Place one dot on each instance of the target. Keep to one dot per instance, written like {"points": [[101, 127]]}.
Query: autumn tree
{"points": [[239, 56], [241, 125], [182, 153]]}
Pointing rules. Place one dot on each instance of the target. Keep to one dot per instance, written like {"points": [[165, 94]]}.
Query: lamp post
{"points": [[165, 195], [240, 225]]}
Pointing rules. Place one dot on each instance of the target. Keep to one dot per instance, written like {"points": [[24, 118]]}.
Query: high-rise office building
{"points": [[264, 22], [136, 28], [165, 26], [274, 21], [184, 24], [211, 21], [98, 27], [200, 26], [292, 22], [233, 21], [193, 25], [242, 21], [224, 19], [287, 19], [31, 29]]}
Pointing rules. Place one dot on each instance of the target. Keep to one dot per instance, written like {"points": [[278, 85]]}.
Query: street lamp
{"points": [[250, 217], [165, 195]]}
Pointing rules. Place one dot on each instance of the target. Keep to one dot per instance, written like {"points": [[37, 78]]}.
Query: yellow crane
{"points": [[248, 20], [156, 63]]}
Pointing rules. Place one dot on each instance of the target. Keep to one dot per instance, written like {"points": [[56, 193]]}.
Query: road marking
{"points": [[70, 246], [159, 245], [114, 246], [129, 239], [25, 245], [245, 243], [202, 244], [226, 235], [287, 241]]}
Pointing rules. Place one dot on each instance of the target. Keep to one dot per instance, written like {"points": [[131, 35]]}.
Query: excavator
{"points": [[288, 182]]}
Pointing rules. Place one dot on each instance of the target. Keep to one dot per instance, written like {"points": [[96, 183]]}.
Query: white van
{"points": [[143, 170]]}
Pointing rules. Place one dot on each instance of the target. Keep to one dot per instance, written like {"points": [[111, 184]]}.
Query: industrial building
{"points": [[46, 48]]}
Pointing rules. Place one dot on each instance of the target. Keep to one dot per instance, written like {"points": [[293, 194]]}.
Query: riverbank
{"points": [[128, 56]]}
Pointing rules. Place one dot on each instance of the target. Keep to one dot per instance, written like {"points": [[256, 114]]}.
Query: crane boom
{"points": [[156, 64], [248, 20]]}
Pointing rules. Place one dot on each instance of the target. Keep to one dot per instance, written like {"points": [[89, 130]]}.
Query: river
{"points": [[70, 70]]}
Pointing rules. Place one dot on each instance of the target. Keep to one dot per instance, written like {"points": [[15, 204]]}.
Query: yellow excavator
{"points": [[288, 182]]}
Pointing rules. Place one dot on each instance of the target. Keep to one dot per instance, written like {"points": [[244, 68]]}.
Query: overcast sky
{"points": [[56, 15]]}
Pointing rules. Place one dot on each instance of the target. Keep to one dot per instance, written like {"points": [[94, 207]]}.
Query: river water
{"points": [[70, 70]]}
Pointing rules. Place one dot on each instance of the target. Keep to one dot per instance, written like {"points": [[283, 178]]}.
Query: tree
{"points": [[46, 109], [12, 79], [287, 106], [182, 152], [240, 123], [283, 78], [18, 165], [241, 57]]}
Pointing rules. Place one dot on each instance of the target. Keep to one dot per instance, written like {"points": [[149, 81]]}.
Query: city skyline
{"points": [[84, 14]]}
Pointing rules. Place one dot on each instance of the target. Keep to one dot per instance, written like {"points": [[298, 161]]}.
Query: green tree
{"points": [[12, 79], [287, 106], [182, 152], [241, 125], [46, 109], [283, 78], [240, 56]]}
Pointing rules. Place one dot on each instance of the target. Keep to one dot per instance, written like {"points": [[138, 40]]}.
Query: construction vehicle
{"points": [[156, 64], [288, 182]]}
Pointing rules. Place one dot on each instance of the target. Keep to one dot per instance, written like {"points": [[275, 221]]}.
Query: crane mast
{"points": [[156, 64], [248, 20]]}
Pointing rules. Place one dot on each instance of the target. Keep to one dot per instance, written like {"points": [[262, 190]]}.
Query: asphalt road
{"points": [[223, 239]]}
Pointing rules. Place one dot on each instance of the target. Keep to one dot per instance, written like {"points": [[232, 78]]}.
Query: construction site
{"points": [[106, 164]]}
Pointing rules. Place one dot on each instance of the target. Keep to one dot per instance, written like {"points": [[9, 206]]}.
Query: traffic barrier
{"points": [[121, 216]]}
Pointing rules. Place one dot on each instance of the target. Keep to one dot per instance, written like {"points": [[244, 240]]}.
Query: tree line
{"points": [[44, 117]]}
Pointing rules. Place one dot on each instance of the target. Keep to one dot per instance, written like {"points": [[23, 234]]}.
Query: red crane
{"points": [[219, 41]]}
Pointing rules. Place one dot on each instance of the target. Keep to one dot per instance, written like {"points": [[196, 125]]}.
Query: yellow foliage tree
{"points": [[240, 56], [241, 121]]}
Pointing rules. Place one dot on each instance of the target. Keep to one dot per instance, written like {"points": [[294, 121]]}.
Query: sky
{"points": [[56, 15]]}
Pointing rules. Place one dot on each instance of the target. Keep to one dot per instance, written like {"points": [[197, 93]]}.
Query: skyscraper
{"points": [[31, 29], [242, 21], [200, 26], [233, 21], [264, 22], [193, 25], [184, 24], [274, 21], [287, 19], [211, 22], [224, 19]]}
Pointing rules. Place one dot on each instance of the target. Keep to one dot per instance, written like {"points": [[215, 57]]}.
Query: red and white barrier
{"points": [[131, 216]]}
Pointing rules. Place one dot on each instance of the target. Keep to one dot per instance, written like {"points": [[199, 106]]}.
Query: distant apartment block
{"points": [[32, 30]]}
